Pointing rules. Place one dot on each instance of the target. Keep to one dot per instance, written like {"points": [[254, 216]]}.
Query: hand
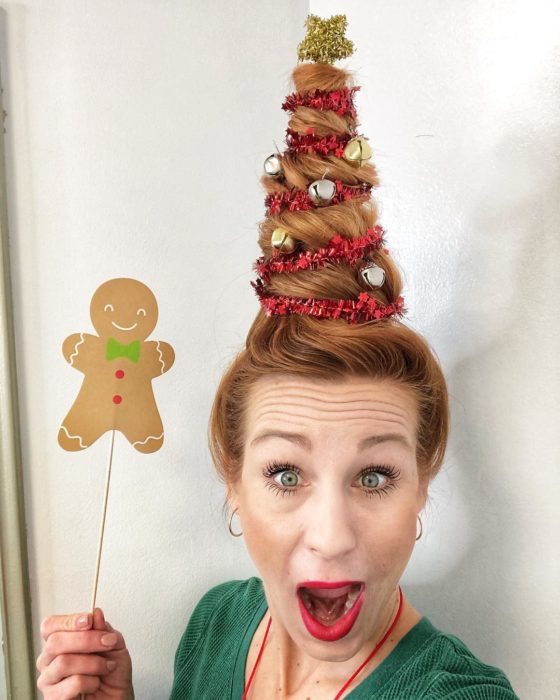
{"points": [[83, 654]]}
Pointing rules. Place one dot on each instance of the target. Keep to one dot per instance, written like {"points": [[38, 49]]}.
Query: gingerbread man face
{"points": [[124, 309], [118, 366]]}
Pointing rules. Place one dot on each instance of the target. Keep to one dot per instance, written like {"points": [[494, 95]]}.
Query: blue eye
{"points": [[372, 479], [287, 478], [283, 479]]}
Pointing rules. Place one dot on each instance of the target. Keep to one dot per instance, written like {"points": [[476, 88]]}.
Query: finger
{"points": [[71, 688], [92, 642], [68, 665], [65, 623], [98, 619]]}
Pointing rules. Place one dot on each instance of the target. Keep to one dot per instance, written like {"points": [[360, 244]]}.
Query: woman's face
{"points": [[328, 494]]}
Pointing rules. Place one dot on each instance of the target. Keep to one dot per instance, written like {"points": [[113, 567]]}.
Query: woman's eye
{"points": [[287, 478], [372, 480]]}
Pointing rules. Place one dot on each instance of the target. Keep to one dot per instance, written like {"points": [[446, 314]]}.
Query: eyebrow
{"points": [[305, 443]]}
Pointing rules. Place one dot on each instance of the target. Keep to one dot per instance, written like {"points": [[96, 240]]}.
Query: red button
{"points": [[117, 398], [119, 374]]}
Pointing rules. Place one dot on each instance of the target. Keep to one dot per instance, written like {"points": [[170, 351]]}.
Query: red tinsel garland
{"points": [[365, 308], [339, 101], [298, 200], [337, 249], [324, 145]]}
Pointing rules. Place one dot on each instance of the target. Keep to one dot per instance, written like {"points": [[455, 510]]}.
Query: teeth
{"points": [[351, 599], [329, 615]]}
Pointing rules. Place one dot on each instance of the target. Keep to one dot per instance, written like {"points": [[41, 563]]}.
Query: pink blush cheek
{"points": [[391, 555], [271, 550], [268, 544]]}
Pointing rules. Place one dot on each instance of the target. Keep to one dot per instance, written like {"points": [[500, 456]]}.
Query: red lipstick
{"points": [[336, 599]]}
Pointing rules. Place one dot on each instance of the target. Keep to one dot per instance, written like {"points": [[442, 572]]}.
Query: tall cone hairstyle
{"points": [[323, 250], [329, 292]]}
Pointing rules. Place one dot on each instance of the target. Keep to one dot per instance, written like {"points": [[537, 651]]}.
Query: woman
{"points": [[327, 430]]}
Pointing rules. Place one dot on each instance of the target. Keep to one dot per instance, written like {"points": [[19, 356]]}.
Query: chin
{"points": [[341, 650]]}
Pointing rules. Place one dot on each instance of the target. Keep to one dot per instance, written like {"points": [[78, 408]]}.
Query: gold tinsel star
{"points": [[325, 41]]}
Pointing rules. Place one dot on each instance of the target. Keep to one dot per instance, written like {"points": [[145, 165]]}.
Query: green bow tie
{"points": [[115, 349]]}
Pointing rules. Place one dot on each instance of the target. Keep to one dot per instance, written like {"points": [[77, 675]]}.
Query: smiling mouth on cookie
{"points": [[123, 328]]}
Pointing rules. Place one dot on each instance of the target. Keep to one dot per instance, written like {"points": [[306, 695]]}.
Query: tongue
{"points": [[328, 609]]}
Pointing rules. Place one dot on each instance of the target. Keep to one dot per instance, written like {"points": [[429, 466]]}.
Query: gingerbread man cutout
{"points": [[118, 367]]}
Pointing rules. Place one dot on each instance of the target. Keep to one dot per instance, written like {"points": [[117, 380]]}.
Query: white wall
{"points": [[461, 102], [135, 134]]}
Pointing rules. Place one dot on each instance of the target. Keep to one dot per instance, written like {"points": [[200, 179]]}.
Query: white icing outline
{"points": [[139, 310], [76, 351], [73, 437], [150, 437], [122, 328], [160, 357]]}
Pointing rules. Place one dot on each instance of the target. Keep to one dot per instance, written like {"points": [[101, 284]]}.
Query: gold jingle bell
{"points": [[273, 166], [373, 275], [282, 241], [357, 151], [321, 192]]}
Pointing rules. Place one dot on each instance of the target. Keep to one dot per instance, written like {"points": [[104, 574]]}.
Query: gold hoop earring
{"points": [[231, 532], [421, 529]]}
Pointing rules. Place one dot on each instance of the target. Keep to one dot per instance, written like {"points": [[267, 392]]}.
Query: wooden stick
{"points": [[103, 516], [102, 529]]}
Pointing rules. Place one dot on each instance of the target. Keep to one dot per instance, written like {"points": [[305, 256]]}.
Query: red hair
{"points": [[328, 349]]}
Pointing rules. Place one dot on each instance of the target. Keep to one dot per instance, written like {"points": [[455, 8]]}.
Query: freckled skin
{"points": [[328, 528]]}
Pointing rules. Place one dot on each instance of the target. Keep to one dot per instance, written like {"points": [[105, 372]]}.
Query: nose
{"points": [[329, 527]]}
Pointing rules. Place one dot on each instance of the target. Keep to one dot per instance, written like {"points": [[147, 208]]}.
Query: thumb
{"points": [[99, 620]]}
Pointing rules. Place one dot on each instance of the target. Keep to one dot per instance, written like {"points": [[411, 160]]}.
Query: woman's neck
{"points": [[286, 670]]}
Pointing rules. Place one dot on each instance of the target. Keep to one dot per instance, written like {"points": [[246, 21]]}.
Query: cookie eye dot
{"points": [[108, 307], [141, 312]]}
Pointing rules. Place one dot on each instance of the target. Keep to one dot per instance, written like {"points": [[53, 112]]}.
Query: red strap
{"points": [[257, 661]]}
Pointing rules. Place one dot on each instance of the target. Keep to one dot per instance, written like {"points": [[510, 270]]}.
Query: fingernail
{"points": [[109, 640], [111, 665], [83, 621]]}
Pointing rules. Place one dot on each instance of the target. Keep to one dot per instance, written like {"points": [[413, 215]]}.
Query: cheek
{"points": [[391, 549], [268, 538]]}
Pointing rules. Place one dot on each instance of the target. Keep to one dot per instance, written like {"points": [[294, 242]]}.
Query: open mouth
{"points": [[330, 609]]}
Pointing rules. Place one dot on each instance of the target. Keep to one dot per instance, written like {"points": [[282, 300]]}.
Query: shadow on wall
{"points": [[489, 599]]}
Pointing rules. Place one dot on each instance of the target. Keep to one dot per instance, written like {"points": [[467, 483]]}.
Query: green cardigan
{"points": [[426, 663]]}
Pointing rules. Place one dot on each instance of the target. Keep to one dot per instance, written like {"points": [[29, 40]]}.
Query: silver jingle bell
{"points": [[373, 275], [321, 192], [273, 166]]}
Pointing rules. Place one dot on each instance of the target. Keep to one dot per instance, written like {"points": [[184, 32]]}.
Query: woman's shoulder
{"points": [[242, 590], [443, 666], [229, 600], [222, 611]]}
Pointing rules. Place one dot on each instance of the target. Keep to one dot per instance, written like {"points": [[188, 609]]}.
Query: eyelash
{"points": [[391, 473]]}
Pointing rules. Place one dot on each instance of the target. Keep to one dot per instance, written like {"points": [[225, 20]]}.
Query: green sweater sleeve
{"points": [[465, 676], [467, 688], [206, 656], [199, 621]]}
